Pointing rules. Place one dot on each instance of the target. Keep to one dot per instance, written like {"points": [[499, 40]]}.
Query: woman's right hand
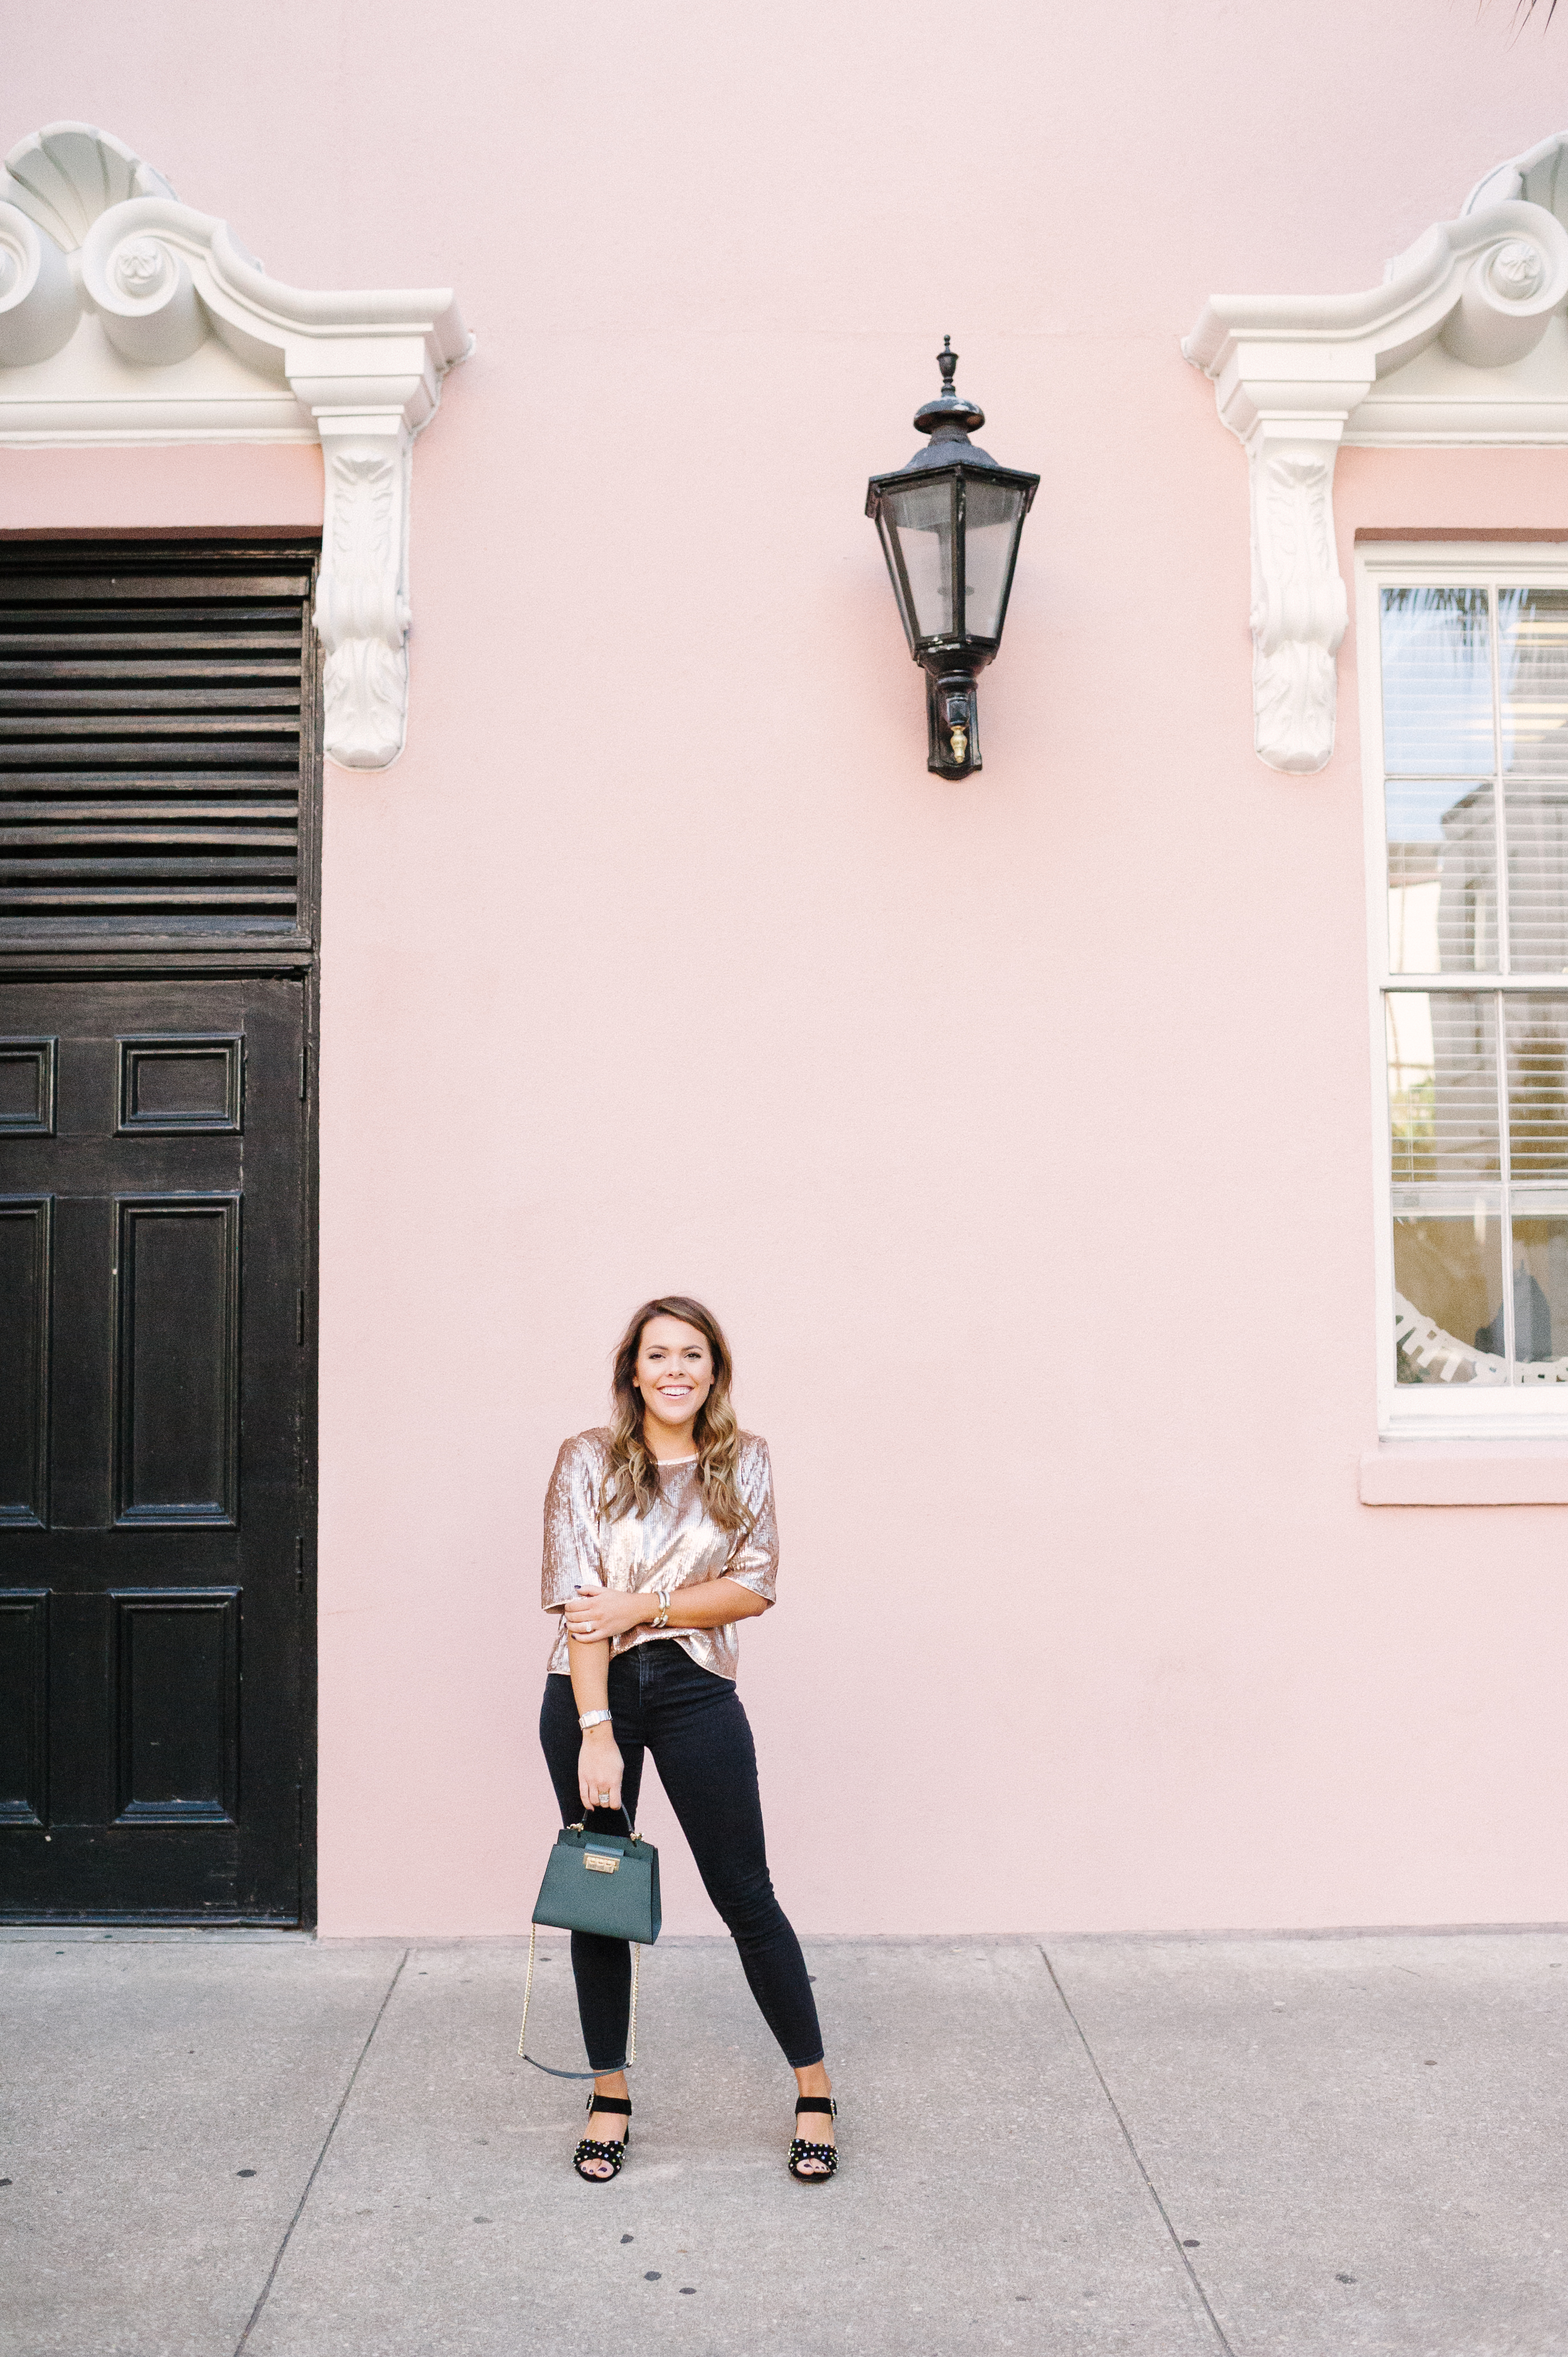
{"points": [[599, 1769]]}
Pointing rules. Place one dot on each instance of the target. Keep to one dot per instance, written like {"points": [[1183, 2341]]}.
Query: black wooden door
{"points": [[154, 1448]]}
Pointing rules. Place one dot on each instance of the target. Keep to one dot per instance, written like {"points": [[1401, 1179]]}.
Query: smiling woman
{"points": [[659, 1539]]}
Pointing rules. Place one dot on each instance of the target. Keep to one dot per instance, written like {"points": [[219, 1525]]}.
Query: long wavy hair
{"points": [[631, 1477]]}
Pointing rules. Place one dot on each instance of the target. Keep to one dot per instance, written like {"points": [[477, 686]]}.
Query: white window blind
{"points": [[1465, 713]]}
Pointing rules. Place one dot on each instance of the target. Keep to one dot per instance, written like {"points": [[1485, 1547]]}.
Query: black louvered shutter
{"points": [[157, 709]]}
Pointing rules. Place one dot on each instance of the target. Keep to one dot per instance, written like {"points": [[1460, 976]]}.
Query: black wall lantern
{"points": [[950, 522]]}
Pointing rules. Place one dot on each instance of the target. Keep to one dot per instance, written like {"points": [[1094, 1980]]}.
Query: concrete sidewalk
{"points": [[1279, 2148]]}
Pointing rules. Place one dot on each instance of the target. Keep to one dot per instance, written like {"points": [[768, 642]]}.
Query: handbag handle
{"points": [[626, 1813]]}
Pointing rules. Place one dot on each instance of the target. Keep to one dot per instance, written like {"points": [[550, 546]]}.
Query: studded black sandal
{"points": [[800, 2150], [591, 2148]]}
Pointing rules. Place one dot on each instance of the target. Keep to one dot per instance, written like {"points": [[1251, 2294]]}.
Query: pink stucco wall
{"points": [[1018, 1130]]}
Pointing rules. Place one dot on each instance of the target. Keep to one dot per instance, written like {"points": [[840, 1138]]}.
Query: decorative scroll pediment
{"points": [[127, 317], [1465, 341]]}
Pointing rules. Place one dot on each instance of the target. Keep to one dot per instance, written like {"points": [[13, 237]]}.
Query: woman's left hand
{"points": [[596, 1613]]}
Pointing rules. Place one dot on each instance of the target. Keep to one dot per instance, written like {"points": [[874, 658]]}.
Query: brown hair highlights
{"points": [[631, 1478]]}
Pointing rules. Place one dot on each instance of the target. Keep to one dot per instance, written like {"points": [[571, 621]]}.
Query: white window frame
{"points": [[1431, 1411]]}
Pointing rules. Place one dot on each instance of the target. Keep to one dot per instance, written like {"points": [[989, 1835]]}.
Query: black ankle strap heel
{"points": [[592, 2149], [826, 2153]]}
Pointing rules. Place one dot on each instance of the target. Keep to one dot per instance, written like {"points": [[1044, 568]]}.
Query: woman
{"points": [[660, 1538]]}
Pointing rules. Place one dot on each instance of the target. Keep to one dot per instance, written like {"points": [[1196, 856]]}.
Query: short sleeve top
{"points": [[676, 1544]]}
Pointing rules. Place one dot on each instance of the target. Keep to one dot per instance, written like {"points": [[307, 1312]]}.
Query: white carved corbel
{"points": [[1299, 613], [127, 317], [361, 607], [1465, 341]]}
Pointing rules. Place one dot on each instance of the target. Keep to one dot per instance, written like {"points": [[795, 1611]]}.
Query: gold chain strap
{"points": [[528, 1993], [527, 1989], [632, 2047]]}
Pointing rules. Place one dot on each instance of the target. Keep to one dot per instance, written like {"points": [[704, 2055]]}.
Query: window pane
{"points": [[1442, 1084], [1537, 1084], [1447, 1273], [1532, 675], [1533, 664], [1537, 811], [1540, 1298], [1437, 684], [1442, 879], [991, 513]]}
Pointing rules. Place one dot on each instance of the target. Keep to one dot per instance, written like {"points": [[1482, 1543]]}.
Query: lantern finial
{"points": [[948, 418]]}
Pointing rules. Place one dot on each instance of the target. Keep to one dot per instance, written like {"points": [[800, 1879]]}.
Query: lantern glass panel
{"points": [[993, 513], [890, 550], [920, 524]]}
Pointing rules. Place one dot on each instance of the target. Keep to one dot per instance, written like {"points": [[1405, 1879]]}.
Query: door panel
{"points": [[181, 1083], [176, 1698], [177, 1286], [25, 1263], [28, 1087], [24, 1705], [156, 1464]]}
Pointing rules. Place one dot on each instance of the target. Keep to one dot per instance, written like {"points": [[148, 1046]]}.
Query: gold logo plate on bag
{"points": [[598, 1862]]}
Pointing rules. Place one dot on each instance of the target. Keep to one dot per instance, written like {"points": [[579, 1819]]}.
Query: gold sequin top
{"points": [[676, 1543]]}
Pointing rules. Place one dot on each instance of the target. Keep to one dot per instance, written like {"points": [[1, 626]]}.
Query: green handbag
{"points": [[606, 1883]]}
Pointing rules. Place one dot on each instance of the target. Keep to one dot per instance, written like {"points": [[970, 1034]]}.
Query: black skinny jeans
{"points": [[697, 1728]]}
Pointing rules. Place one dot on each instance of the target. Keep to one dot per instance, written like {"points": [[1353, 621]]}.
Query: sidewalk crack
{"points": [[326, 2142], [1137, 2158]]}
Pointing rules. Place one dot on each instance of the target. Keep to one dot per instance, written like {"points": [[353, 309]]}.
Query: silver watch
{"points": [[587, 1718]]}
